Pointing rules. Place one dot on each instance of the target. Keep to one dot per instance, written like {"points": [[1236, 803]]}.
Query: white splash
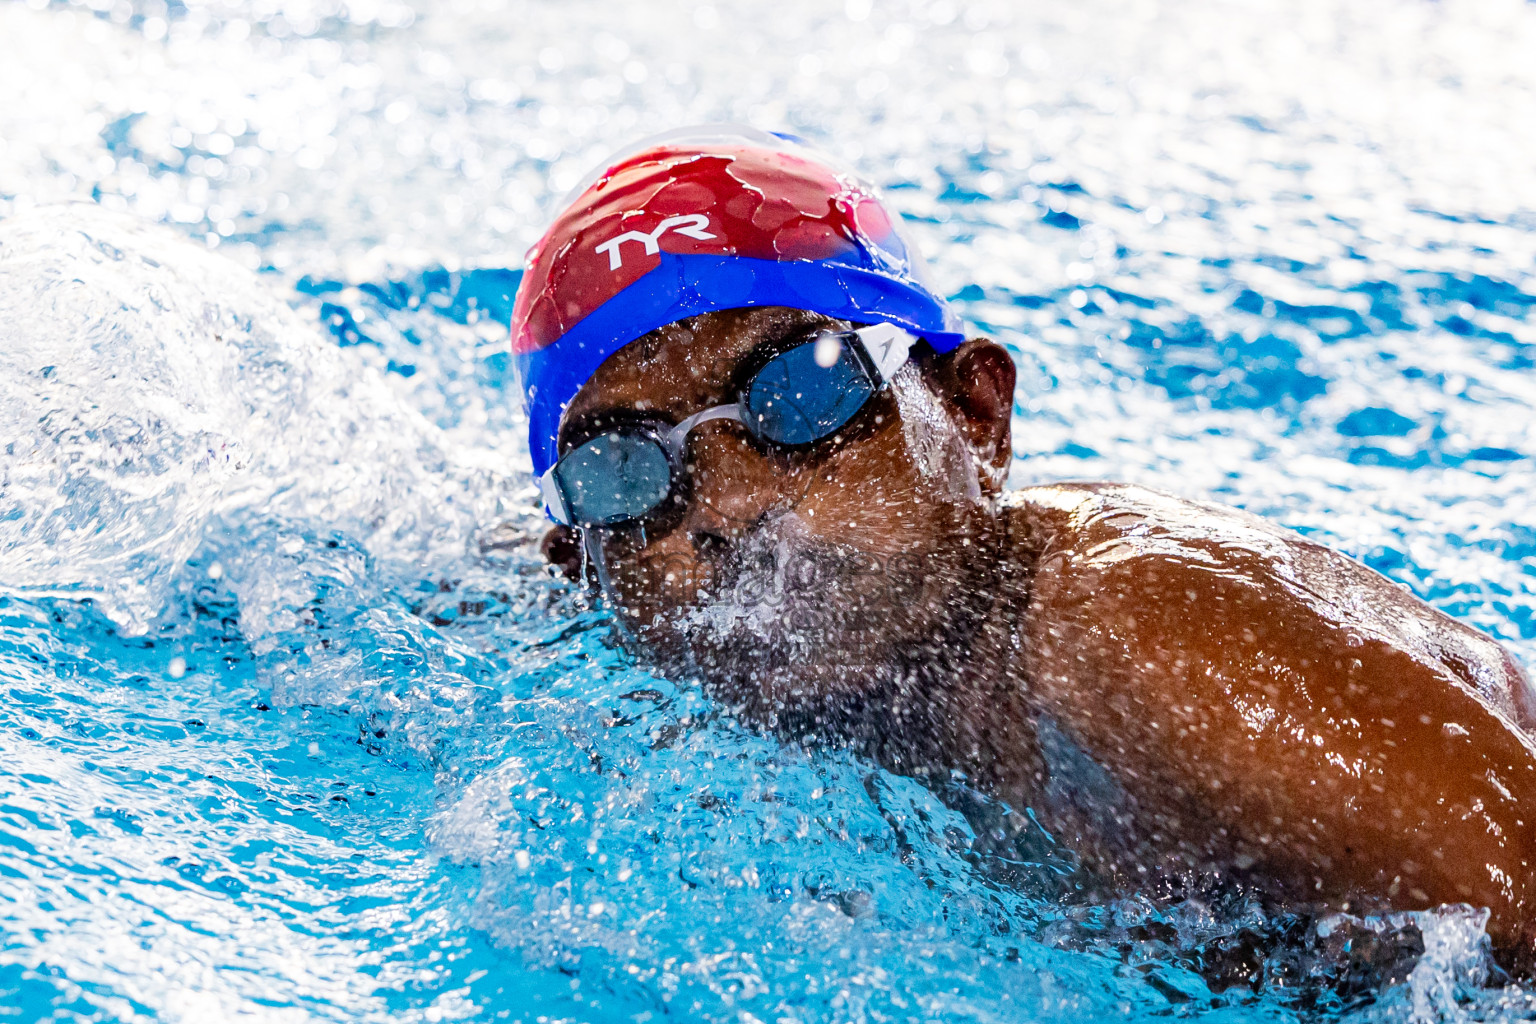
{"points": [[1448, 975], [147, 385], [757, 596], [1454, 962], [937, 448]]}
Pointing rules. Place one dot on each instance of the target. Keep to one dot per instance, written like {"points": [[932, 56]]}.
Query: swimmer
{"points": [[774, 449]]}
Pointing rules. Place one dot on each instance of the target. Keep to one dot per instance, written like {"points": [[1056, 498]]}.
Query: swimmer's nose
{"points": [[732, 487]]}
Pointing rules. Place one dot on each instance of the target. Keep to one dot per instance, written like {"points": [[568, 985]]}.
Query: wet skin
{"points": [[1258, 708]]}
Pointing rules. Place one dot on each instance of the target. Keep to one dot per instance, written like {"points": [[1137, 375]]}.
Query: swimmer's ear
{"points": [[976, 382], [561, 547]]}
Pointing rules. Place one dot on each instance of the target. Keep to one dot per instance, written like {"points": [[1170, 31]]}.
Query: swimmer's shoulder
{"points": [[1105, 549], [1063, 518]]}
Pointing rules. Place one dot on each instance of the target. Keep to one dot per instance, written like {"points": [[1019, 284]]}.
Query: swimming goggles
{"points": [[797, 398]]}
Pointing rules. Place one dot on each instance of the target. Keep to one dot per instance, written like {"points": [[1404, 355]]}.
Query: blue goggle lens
{"points": [[794, 400], [614, 478]]}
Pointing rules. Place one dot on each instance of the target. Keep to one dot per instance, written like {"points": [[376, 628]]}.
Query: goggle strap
{"points": [[554, 500], [888, 347]]}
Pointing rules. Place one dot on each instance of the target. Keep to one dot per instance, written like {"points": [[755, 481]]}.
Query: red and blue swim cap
{"points": [[700, 220]]}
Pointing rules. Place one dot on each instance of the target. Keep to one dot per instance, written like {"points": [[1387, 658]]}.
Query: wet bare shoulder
{"points": [[1272, 707], [1101, 542]]}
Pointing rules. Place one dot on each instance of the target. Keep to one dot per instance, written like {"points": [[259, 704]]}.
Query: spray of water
{"points": [[936, 445]]}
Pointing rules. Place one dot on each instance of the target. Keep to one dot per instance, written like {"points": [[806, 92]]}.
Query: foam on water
{"points": [[148, 387], [328, 743]]}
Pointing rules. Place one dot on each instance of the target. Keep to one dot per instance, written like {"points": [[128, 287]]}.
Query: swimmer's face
{"points": [[797, 581]]}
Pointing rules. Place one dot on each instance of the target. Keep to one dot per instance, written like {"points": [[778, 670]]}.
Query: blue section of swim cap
{"points": [[686, 285]]}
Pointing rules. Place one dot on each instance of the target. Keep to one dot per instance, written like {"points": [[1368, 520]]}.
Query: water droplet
{"points": [[828, 348]]}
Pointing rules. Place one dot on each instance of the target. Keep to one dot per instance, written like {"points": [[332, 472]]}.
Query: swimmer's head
{"points": [[701, 220], [800, 576]]}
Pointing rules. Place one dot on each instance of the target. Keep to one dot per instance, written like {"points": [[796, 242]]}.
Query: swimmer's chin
{"points": [[812, 637], [773, 677]]}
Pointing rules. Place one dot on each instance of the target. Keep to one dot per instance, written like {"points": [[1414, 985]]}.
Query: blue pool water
{"points": [[294, 725]]}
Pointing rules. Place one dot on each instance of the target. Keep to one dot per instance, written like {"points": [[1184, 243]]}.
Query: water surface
{"points": [[296, 728]]}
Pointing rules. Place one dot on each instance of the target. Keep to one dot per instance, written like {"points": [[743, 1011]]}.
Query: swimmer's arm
{"points": [[1343, 734]]}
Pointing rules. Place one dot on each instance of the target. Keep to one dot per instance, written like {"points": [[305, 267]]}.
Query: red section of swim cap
{"points": [[729, 200]]}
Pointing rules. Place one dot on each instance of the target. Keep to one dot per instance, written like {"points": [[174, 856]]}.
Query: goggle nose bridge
{"points": [[676, 439]]}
